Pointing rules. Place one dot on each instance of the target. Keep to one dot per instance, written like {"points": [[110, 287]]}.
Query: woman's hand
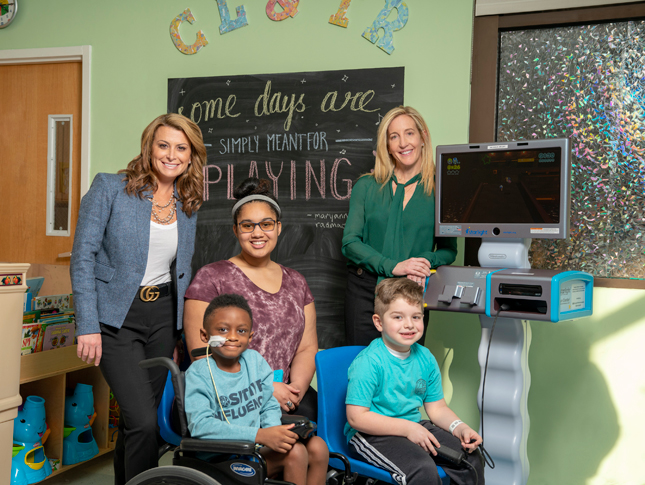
{"points": [[89, 348], [419, 267], [285, 394]]}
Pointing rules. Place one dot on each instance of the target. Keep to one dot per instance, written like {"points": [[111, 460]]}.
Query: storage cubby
{"points": [[55, 373]]}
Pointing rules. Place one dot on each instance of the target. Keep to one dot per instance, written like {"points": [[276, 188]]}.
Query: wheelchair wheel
{"points": [[173, 475]]}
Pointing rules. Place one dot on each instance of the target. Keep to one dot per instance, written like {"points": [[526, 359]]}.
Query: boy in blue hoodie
{"points": [[229, 396]]}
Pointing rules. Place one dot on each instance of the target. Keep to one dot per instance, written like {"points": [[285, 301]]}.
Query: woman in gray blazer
{"points": [[130, 268]]}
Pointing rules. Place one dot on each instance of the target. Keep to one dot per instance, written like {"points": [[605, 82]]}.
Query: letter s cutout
{"points": [[176, 38], [371, 33], [290, 9]]}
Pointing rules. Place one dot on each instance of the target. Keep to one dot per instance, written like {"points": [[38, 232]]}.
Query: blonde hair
{"points": [[384, 165], [140, 174], [391, 289]]}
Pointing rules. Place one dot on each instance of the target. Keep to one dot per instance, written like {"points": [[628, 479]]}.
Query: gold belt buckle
{"points": [[149, 293]]}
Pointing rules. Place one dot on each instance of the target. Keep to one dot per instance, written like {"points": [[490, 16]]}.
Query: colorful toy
{"points": [[78, 441], [29, 463]]}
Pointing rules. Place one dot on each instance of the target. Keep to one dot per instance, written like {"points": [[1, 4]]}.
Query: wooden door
{"points": [[30, 93]]}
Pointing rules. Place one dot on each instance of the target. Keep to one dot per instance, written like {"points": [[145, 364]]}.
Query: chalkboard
{"points": [[313, 134]]}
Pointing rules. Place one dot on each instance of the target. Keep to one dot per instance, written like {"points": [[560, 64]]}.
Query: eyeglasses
{"points": [[267, 225]]}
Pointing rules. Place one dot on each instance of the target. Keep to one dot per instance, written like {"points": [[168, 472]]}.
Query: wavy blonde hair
{"points": [[140, 174], [384, 165]]}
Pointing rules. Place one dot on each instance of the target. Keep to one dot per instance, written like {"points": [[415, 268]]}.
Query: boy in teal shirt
{"points": [[389, 381]]}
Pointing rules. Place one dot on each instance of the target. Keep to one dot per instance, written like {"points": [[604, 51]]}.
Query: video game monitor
{"points": [[516, 189]]}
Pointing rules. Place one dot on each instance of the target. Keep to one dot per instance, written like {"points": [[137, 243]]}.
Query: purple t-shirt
{"points": [[278, 318]]}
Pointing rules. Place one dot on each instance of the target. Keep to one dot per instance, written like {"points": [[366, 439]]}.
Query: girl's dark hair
{"points": [[227, 300], [253, 186]]}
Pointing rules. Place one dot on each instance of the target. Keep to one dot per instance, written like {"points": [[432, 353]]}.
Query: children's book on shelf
{"points": [[35, 284], [30, 332], [58, 335], [53, 301], [53, 320]]}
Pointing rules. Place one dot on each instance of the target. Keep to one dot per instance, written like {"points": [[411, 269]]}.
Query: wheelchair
{"points": [[232, 462]]}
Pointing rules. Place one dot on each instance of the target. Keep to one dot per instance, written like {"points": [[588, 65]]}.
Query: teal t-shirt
{"points": [[391, 386]]}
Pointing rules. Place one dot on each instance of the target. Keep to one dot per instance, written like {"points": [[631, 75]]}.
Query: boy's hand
{"points": [[469, 438], [278, 438], [422, 437]]}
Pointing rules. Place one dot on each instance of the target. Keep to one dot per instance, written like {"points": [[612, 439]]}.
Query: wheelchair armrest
{"points": [[233, 447]]}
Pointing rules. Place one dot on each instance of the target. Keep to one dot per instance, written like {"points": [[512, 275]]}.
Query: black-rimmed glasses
{"points": [[267, 225]]}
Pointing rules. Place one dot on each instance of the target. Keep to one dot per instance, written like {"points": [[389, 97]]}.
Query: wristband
{"points": [[454, 424]]}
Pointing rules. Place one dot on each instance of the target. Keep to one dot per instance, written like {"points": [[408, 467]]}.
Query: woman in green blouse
{"points": [[390, 226]]}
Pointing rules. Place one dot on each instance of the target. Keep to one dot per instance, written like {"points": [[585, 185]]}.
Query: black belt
{"points": [[153, 293]]}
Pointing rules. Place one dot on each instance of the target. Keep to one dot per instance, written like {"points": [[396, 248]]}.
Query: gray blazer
{"points": [[110, 254]]}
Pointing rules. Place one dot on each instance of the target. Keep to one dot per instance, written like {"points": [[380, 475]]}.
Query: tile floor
{"points": [[95, 472]]}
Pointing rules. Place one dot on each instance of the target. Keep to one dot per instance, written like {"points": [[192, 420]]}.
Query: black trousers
{"points": [[410, 464], [149, 330], [359, 308]]}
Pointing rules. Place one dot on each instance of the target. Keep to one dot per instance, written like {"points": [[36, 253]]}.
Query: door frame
{"points": [[46, 55]]}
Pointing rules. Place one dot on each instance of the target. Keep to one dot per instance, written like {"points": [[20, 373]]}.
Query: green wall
{"points": [[587, 390]]}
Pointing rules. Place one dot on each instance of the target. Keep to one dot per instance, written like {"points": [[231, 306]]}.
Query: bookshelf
{"points": [[55, 373]]}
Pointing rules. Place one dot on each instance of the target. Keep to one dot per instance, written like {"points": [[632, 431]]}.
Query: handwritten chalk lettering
{"points": [[267, 104], [316, 140], [207, 178], [244, 144], [359, 101], [329, 225], [213, 175], [331, 216], [208, 111], [334, 186]]}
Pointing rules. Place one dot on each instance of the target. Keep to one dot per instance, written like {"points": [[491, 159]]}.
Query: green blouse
{"points": [[367, 221]]}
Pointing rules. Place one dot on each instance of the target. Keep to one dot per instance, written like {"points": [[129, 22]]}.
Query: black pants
{"points": [[148, 331], [359, 308], [410, 464]]}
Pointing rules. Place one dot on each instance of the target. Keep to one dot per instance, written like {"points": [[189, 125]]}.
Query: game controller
{"points": [[451, 455], [304, 428]]}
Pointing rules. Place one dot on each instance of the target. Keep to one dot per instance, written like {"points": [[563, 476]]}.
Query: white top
{"points": [[400, 355], [161, 253]]}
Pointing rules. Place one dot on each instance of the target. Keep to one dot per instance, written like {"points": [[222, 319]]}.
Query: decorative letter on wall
{"points": [[229, 25], [176, 38], [339, 18], [371, 33], [290, 9]]}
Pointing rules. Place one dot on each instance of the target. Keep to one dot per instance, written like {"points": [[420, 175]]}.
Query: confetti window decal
{"points": [[585, 83]]}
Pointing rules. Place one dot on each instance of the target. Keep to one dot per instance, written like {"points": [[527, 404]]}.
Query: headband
{"points": [[252, 197]]}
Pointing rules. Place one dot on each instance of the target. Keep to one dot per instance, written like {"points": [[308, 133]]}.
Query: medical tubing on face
{"points": [[208, 362]]}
